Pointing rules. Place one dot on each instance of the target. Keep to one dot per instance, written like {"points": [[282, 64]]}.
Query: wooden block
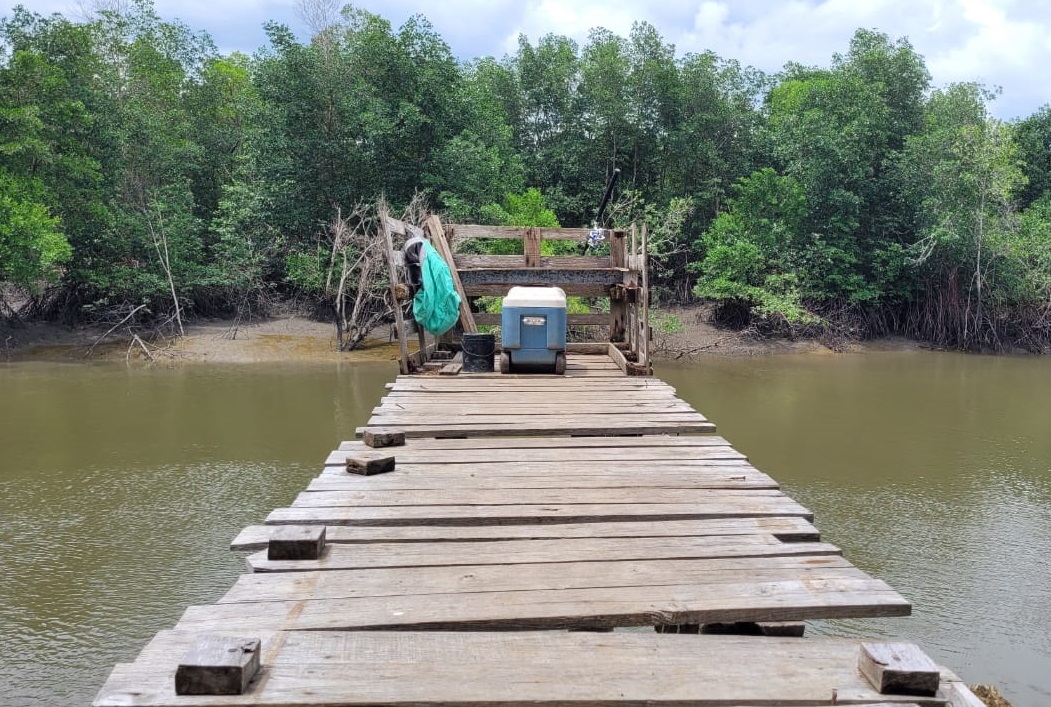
{"points": [[384, 437], [369, 465], [898, 669], [296, 542], [218, 665], [451, 369]]}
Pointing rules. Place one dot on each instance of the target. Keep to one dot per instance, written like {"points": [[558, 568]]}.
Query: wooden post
{"points": [[433, 224], [420, 338], [531, 245], [218, 665], [644, 302], [618, 307], [898, 669], [399, 320]]}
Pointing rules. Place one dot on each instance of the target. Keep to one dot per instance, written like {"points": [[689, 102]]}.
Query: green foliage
{"points": [[527, 209], [137, 160], [306, 270], [32, 245], [1028, 252], [1033, 136], [754, 252]]}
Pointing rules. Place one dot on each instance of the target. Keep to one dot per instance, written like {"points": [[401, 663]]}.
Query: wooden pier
{"points": [[533, 533]]}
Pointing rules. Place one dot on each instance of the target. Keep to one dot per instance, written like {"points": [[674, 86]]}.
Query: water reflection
{"points": [[931, 471], [120, 490]]}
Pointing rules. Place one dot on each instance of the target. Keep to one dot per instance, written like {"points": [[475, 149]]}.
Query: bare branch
{"points": [[319, 15], [114, 328]]}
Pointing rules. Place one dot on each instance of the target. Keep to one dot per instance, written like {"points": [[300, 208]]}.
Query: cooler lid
{"points": [[536, 297]]}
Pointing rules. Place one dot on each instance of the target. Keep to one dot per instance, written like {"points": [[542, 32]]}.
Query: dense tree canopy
{"points": [[138, 166]]}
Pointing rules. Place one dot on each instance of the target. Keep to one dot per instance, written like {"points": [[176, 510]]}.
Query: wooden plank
{"points": [[555, 407], [463, 231], [599, 607], [532, 396], [508, 262], [595, 363], [392, 273], [661, 410], [564, 455], [256, 537], [519, 552], [411, 381], [528, 383], [656, 473], [629, 368], [394, 405], [597, 319], [560, 419], [956, 691], [631, 443], [405, 581], [586, 348], [433, 224], [607, 389], [548, 427], [400, 227], [723, 478], [530, 496], [592, 474], [528, 514], [399, 669], [536, 278]]}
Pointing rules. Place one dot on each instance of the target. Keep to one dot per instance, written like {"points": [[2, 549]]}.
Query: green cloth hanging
{"points": [[436, 305]]}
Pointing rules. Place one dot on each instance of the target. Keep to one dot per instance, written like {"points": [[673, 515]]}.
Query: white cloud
{"points": [[997, 42]]}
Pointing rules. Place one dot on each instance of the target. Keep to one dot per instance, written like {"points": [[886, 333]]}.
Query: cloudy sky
{"points": [[1005, 43]]}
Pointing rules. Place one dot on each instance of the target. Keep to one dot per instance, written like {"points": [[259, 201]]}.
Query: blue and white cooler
{"points": [[533, 330]]}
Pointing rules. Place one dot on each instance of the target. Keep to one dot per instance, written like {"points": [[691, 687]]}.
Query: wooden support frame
{"points": [[392, 272], [596, 319], [620, 276]]}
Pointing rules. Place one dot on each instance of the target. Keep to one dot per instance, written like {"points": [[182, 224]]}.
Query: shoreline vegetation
{"points": [[150, 180], [296, 338]]}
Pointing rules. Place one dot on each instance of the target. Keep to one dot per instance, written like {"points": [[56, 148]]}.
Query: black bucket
{"points": [[478, 350]]}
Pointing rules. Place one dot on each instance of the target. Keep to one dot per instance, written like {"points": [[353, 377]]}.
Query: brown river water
{"points": [[121, 488]]}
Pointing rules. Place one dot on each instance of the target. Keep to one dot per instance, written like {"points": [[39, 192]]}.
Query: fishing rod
{"points": [[597, 233]]}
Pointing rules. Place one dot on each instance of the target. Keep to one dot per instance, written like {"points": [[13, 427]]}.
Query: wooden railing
{"points": [[620, 277]]}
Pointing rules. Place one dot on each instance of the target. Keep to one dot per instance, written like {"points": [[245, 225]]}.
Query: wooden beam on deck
{"points": [[398, 669]]}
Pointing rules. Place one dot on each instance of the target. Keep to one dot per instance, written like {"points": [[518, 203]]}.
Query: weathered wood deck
{"points": [[524, 504]]}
